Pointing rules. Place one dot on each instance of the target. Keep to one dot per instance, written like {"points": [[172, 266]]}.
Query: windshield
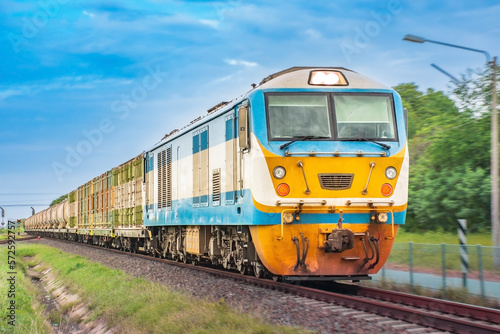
{"points": [[339, 116], [364, 116], [298, 115]]}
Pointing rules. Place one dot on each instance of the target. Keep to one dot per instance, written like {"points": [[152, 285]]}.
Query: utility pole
{"points": [[494, 164]]}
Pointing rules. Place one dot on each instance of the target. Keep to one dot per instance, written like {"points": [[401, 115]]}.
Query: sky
{"points": [[87, 85]]}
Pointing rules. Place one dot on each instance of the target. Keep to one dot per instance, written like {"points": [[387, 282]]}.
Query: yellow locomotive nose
{"points": [[336, 215], [323, 250]]}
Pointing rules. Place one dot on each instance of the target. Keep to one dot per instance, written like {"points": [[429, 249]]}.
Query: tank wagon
{"points": [[303, 177]]}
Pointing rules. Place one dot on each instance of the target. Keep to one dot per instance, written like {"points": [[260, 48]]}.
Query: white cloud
{"points": [[236, 62], [88, 13], [313, 34], [68, 83], [211, 23], [223, 79], [10, 92]]}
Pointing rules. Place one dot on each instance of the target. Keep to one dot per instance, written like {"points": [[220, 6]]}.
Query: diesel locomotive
{"points": [[304, 177]]}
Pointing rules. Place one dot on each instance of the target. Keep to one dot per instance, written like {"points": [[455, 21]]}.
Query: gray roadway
{"points": [[490, 289]]}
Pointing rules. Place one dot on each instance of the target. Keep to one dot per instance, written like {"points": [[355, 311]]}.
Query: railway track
{"points": [[6, 241], [427, 312]]}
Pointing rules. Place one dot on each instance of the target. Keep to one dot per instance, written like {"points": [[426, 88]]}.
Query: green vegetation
{"points": [[139, 306], [449, 142], [440, 237], [4, 233], [59, 199], [28, 318]]}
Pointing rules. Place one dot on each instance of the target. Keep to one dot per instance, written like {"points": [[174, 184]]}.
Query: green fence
{"points": [[440, 267]]}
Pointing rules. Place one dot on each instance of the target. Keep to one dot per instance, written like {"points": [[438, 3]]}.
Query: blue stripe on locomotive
{"points": [[245, 213]]}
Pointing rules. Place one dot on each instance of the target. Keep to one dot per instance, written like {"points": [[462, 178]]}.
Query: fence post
{"points": [[464, 257], [480, 268], [443, 261], [410, 249]]}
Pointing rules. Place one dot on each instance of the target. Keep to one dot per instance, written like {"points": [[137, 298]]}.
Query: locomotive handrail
{"points": [[301, 202], [336, 153], [370, 203]]}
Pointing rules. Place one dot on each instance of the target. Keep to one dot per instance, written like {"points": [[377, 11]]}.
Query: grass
{"points": [[433, 237], [4, 232], [28, 318], [427, 251], [139, 306]]}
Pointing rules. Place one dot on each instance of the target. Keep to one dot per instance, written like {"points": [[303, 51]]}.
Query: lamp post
{"points": [[494, 138]]}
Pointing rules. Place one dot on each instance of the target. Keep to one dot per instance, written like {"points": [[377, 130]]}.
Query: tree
{"points": [[449, 155]]}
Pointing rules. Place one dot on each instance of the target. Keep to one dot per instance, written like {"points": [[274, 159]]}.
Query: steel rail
{"points": [[422, 311], [6, 241], [433, 304]]}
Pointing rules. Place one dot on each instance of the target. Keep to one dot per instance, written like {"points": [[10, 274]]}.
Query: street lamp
{"points": [[417, 39], [494, 137]]}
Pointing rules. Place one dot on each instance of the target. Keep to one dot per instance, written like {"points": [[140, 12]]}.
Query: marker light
{"points": [[327, 78], [288, 217], [279, 172], [283, 189], [382, 217], [390, 173], [386, 189]]}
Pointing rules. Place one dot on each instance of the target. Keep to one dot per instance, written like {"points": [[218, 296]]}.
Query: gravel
{"points": [[273, 306]]}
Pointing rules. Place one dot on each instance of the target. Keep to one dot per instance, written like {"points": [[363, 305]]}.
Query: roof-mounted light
{"points": [[327, 78]]}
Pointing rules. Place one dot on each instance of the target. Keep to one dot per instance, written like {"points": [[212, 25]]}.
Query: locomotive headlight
{"points": [[327, 78], [390, 173], [279, 172]]}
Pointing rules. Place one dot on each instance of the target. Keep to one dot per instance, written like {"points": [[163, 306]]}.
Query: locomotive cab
{"points": [[334, 156]]}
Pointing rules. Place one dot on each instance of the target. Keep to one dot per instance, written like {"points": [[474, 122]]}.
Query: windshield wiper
{"points": [[387, 147], [301, 138]]}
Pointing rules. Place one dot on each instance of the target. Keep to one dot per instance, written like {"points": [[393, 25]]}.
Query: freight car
{"points": [[304, 177]]}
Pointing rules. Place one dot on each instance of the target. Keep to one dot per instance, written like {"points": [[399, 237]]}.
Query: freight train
{"points": [[305, 177]]}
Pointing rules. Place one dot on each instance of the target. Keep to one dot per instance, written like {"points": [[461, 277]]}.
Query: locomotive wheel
{"points": [[225, 263], [239, 260], [242, 268], [258, 270]]}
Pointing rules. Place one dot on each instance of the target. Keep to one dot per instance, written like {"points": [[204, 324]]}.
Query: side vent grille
{"points": [[335, 181], [160, 183], [216, 186], [165, 178], [162, 175], [169, 177]]}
